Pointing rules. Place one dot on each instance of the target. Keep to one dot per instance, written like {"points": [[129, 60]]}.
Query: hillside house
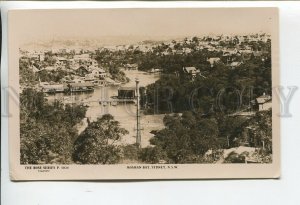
{"points": [[82, 70], [192, 71], [213, 61], [96, 73], [264, 102]]}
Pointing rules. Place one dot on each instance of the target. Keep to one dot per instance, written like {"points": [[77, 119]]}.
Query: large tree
{"points": [[98, 142]]}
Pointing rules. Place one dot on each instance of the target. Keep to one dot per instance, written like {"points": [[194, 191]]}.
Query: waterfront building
{"points": [[127, 92]]}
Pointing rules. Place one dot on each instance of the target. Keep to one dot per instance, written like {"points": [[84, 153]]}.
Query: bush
{"points": [[130, 152], [152, 155]]}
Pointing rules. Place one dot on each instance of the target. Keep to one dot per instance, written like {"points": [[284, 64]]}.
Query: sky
{"points": [[151, 23]]}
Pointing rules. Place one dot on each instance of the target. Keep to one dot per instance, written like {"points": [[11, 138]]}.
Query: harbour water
{"points": [[125, 113]]}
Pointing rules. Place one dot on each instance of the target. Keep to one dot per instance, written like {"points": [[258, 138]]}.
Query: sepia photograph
{"points": [[144, 93]]}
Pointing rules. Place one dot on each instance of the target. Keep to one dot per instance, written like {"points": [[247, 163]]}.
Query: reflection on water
{"points": [[124, 113]]}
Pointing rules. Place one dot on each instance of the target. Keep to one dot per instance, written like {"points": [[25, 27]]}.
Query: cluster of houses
{"points": [[231, 56], [80, 64], [83, 72]]}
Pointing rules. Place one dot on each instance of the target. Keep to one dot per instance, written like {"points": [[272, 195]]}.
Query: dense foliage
{"points": [[47, 130], [223, 89], [48, 134], [188, 137]]}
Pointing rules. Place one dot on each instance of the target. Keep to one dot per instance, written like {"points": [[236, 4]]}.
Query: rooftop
{"points": [[263, 99]]}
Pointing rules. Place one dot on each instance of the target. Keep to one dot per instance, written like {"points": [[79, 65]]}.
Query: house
{"points": [[82, 70], [213, 61], [192, 71], [96, 72], [102, 73], [264, 102]]}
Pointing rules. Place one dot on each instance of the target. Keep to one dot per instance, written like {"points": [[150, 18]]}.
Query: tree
{"points": [[96, 144], [45, 144], [195, 40], [261, 129], [47, 130]]}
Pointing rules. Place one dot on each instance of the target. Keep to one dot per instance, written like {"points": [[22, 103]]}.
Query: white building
{"points": [[213, 61], [264, 102]]}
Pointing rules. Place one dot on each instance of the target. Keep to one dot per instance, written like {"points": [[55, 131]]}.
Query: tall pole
{"points": [[138, 124]]}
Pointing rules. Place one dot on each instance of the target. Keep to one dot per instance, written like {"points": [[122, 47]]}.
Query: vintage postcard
{"points": [[113, 94]]}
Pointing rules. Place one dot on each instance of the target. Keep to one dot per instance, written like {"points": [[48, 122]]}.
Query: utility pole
{"points": [[138, 123]]}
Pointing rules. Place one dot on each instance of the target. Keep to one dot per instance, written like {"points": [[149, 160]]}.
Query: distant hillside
{"points": [[92, 43]]}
